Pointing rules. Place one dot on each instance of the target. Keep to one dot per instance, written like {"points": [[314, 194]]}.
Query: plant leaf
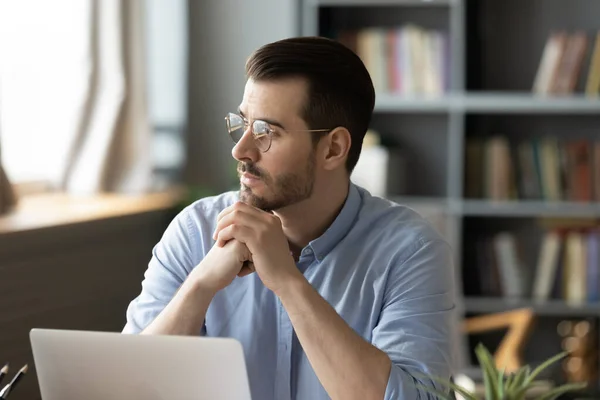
{"points": [[462, 391], [521, 392], [545, 365], [489, 372], [438, 394], [554, 393], [518, 380], [448, 384], [501, 384], [508, 384]]}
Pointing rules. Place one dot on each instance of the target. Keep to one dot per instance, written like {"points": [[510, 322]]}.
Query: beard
{"points": [[283, 191]]}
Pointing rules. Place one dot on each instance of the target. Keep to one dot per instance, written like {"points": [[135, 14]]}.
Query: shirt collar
{"points": [[322, 245]]}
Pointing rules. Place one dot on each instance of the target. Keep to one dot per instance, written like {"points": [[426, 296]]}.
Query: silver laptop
{"points": [[76, 365]]}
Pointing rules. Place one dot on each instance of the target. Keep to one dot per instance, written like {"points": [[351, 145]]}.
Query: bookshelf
{"points": [[529, 208], [496, 50], [488, 103], [554, 308], [416, 3]]}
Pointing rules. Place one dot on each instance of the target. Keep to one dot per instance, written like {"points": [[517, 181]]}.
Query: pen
{"points": [[6, 390], [3, 371]]}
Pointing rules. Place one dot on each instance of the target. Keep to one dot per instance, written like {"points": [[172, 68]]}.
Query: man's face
{"points": [[285, 174]]}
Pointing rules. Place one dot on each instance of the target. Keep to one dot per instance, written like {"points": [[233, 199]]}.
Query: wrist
{"points": [[295, 283], [201, 283]]}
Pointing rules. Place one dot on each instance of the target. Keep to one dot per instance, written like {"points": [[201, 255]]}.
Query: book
{"points": [[551, 56], [509, 265], [548, 263], [408, 59], [592, 87], [570, 65], [574, 268]]}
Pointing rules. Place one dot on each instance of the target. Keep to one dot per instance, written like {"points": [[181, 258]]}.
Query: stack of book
{"points": [[545, 168], [562, 62], [407, 60], [567, 267]]}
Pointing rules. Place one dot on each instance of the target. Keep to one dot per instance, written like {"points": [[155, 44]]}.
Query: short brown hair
{"points": [[340, 89]]}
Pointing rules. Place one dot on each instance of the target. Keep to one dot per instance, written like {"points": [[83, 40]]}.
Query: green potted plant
{"points": [[501, 386]]}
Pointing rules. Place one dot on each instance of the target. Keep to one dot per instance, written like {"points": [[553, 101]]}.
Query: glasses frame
{"points": [[269, 130]]}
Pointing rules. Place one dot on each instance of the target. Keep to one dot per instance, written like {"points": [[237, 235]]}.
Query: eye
{"points": [[235, 122], [261, 128]]}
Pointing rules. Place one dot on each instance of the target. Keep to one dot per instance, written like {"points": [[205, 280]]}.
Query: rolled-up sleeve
{"points": [[416, 324], [172, 260]]}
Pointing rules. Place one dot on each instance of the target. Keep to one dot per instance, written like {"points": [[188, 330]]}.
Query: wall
{"points": [[222, 35], [166, 52]]}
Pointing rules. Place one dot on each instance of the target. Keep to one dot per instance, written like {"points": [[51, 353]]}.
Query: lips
{"points": [[246, 175], [249, 180]]}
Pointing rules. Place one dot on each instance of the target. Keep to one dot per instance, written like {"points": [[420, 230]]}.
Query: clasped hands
{"points": [[262, 235]]}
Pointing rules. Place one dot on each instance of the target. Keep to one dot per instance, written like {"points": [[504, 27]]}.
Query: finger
{"points": [[247, 269], [240, 205], [225, 211], [241, 233], [224, 222], [250, 209], [235, 206], [238, 215], [220, 243]]}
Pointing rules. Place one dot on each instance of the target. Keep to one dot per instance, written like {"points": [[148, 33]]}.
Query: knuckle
{"points": [[262, 234]]}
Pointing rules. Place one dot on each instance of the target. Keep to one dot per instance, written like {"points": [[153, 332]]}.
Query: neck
{"points": [[309, 219]]}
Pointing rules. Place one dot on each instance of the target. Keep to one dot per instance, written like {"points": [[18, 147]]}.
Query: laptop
{"points": [[76, 365]]}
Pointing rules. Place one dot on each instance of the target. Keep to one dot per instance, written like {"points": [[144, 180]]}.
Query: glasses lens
{"points": [[235, 126], [262, 135]]}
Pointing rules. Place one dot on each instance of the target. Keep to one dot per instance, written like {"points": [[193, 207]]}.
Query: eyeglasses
{"points": [[261, 130]]}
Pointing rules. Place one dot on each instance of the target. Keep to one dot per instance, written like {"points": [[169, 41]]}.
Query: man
{"points": [[331, 291]]}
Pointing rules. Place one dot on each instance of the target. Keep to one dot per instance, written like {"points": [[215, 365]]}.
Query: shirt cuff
{"points": [[402, 385]]}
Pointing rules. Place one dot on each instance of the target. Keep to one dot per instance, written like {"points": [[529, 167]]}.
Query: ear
{"points": [[337, 145]]}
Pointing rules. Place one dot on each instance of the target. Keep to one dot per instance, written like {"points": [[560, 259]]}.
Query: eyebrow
{"points": [[268, 121]]}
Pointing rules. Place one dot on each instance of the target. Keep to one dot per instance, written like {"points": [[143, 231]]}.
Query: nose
{"points": [[245, 149]]}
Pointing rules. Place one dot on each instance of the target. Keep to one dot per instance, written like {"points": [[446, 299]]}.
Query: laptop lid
{"points": [[75, 365]]}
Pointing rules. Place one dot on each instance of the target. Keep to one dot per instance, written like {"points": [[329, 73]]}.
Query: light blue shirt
{"points": [[384, 268]]}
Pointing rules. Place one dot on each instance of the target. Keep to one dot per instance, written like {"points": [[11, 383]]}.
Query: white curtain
{"points": [[72, 94], [111, 150]]}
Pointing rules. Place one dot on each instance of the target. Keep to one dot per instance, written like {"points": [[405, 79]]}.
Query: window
{"points": [[43, 73]]}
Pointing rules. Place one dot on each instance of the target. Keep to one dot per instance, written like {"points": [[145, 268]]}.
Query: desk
{"points": [[74, 268]]}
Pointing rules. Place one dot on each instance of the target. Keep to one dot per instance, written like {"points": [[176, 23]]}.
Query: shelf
{"points": [[547, 308], [529, 103], [375, 3], [387, 102], [428, 207], [518, 103], [429, 202], [529, 208]]}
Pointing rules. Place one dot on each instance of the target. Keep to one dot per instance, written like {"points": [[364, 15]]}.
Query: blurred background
{"points": [[487, 122]]}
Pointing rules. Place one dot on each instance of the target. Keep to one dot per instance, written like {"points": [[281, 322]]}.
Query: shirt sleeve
{"points": [[172, 260], [416, 322]]}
